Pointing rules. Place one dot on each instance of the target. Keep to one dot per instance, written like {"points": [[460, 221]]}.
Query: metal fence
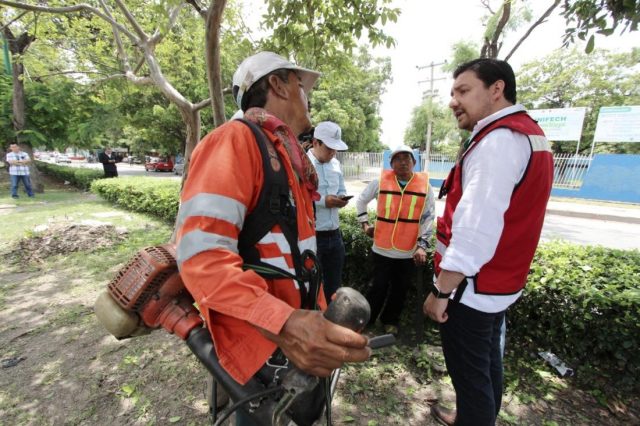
{"points": [[569, 168], [360, 165]]}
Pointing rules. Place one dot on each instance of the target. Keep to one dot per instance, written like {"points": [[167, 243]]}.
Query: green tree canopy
{"points": [[445, 135]]}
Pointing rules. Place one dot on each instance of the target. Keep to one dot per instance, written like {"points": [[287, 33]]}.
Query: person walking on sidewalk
{"points": [[401, 235], [327, 140], [18, 161], [497, 195]]}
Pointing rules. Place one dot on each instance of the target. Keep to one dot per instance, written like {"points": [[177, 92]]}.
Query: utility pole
{"points": [[431, 93]]}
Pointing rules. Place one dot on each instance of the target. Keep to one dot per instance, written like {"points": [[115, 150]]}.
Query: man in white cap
{"points": [[404, 222], [327, 140], [246, 227]]}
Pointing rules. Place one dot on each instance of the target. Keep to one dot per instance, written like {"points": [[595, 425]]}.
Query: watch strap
{"points": [[438, 294]]}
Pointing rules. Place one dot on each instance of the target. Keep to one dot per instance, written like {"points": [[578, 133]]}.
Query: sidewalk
{"points": [[571, 207]]}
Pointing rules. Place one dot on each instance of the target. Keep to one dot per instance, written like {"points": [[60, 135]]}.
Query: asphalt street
{"points": [[584, 222]]}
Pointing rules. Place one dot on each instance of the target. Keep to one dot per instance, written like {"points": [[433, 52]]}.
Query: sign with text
{"points": [[560, 124], [618, 124]]}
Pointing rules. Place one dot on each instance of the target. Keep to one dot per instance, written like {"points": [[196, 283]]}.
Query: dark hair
{"points": [[490, 71], [256, 96]]}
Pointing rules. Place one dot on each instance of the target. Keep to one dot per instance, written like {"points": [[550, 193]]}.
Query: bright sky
{"points": [[425, 33]]}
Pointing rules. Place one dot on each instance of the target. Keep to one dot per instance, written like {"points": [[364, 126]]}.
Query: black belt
{"points": [[332, 233]]}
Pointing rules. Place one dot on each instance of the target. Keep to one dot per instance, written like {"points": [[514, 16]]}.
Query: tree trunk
{"points": [[212, 43], [18, 47]]}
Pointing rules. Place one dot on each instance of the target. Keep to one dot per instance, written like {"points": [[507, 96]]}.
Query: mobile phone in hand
{"points": [[346, 197]]}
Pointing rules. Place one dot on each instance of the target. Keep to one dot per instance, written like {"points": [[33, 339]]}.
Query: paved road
{"points": [[126, 169], [610, 225], [586, 223]]}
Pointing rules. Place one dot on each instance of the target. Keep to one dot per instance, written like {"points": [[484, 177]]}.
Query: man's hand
{"points": [[435, 308], [420, 256], [316, 345], [368, 229], [333, 201]]}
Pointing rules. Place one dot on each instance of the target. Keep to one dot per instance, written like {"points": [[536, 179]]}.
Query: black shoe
{"points": [[444, 416]]}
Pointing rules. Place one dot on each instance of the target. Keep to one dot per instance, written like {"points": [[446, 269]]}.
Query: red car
{"points": [[156, 164]]}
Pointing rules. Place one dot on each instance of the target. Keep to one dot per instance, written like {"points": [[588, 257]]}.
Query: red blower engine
{"points": [[148, 293]]}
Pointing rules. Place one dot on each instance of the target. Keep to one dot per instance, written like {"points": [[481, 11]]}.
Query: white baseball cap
{"points": [[402, 148], [257, 66], [331, 135]]}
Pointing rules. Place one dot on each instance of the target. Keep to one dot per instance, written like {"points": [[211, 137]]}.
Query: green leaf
{"points": [[590, 44], [175, 419]]}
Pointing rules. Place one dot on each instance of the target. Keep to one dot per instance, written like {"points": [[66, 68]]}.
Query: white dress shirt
{"points": [[490, 173]]}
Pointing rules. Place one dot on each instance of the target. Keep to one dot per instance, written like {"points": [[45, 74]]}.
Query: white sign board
{"points": [[560, 124], [618, 124]]}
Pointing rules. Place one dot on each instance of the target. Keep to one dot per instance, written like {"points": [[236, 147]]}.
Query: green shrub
{"points": [[583, 303], [157, 197], [79, 177]]}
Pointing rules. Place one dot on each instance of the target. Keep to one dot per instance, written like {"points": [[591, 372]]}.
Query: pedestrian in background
{"points": [[19, 170], [327, 140], [404, 222], [108, 160]]}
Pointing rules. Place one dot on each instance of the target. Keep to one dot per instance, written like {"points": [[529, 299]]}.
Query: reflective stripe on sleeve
{"points": [[197, 241], [440, 247], [539, 143], [215, 206], [308, 244]]}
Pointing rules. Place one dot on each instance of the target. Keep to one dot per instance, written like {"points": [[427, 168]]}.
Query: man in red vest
{"points": [[497, 195]]}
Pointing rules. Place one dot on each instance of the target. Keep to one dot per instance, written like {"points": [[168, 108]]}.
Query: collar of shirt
{"points": [[495, 116]]}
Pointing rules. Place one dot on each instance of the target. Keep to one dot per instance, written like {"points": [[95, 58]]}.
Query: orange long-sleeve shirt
{"points": [[223, 186]]}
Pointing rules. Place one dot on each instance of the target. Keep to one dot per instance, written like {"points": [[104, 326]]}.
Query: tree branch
{"points": [[36, 77], [69, 9], [506, 14], [202, 12], [486, 4], [116, 36], [134, 23], [541, 20], [173, 16], [202, 104]]}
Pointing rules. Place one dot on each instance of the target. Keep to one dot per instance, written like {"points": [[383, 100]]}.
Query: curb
{"points": [[599, 216]]}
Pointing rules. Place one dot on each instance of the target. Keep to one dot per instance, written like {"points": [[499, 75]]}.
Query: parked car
{"points": [[62, 159], [178, 168], [156, 164]]}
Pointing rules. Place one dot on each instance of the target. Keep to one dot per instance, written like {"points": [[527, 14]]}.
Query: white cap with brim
{"points": [[402, 148], [331, 135], [257, 66]]}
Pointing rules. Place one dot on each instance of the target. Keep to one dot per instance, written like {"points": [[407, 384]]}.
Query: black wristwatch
{"points": [[438, 294]]}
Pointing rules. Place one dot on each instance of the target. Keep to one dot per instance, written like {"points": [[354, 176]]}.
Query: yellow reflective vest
{"points": [[399, 211]]}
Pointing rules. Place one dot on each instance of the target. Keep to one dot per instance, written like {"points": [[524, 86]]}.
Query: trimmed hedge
{"points": [[582, 303], [76, 176], [157, 197]]}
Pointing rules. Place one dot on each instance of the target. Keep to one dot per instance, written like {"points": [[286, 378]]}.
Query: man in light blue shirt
{"points": [[327, 139]]}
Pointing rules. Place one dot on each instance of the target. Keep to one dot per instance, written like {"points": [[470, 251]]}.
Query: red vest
{"points": [[399, 210], [506, 272]]}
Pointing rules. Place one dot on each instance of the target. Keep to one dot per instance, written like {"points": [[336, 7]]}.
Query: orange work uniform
{"points": [[223, 186]]}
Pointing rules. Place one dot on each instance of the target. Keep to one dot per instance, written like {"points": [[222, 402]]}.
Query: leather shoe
{"points": [[443, 415]]}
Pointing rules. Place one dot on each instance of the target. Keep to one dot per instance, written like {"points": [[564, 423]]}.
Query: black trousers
{"points": [[391, 278], [471, 346]]}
